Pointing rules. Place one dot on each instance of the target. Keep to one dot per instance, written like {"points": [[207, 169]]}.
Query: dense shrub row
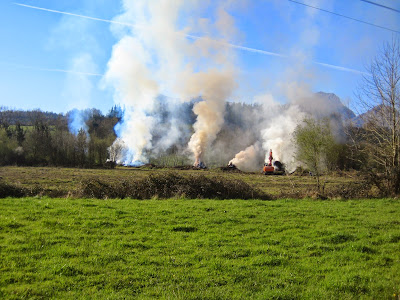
{"points": [[13, 190], [171, 185], [10, 190]]}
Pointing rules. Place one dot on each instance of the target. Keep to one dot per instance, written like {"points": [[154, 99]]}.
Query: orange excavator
{"points": [[273, 169], [268, 167]]}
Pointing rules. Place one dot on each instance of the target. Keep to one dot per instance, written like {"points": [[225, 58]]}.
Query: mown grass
{"points": [[199, 249]]}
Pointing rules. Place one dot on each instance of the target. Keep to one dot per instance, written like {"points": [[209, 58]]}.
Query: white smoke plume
{"points": [[215, 83], [247, 160], [277, 123], [277, 135], [159, 55], [215, 87], [117, 151], [136, 91], [282, 120], [156, 56]]}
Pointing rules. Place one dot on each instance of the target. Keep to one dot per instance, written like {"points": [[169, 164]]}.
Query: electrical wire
{"points": [[377, 4], [343, 16]]}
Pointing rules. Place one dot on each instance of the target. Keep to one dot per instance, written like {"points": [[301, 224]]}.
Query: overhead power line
{"points": [[377, 4], [48, 69], [194, 37], [343, 16]]}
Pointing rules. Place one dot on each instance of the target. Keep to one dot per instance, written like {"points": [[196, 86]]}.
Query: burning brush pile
{"points": [[231, 168], [169, 185]]}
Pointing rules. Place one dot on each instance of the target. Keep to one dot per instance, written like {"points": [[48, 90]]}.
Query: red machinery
{"points": [[268, 167]]}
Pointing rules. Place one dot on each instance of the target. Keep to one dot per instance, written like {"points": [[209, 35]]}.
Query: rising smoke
{"points": [[277, 135], [214, 87], [136, 91], [247, 160], [77, 121], [155, 57], [274, 127], [277, 122], [158, 56]]}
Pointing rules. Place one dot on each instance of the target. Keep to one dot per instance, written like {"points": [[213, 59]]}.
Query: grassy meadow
{"points": [[199, 249]]}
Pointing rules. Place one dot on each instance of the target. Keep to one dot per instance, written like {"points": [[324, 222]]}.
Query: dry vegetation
{"points": [[148, 182], [171, 184]]}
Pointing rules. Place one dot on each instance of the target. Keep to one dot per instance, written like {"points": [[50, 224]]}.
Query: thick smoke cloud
{"points": [[276, 123], [186, 59], [136, 91], [277, 135], [155, 56], [279, 121], [215, 87], [247, 160], [273, 128]]}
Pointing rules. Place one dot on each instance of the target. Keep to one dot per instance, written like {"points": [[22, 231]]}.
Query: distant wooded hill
{"points": [[27, 117], [324, 105]]}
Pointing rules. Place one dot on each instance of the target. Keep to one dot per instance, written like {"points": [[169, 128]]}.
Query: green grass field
{"points": [[199, 249]]}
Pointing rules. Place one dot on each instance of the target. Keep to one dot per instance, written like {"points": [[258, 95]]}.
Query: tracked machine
{"points": [[275, 168]]}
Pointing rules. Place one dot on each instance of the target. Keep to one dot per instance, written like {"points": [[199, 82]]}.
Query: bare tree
{"points": [[379, 95]]}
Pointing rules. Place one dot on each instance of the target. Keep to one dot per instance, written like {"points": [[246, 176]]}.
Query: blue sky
{"points": [[36, 43]]}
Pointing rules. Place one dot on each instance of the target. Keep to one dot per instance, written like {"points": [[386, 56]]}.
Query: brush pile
{"points": [[170, 185], [10, 190], [230, 169], [18, 191], [359, 190]]}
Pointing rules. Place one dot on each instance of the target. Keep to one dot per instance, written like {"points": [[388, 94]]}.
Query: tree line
{"points": [[37, 138]]}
